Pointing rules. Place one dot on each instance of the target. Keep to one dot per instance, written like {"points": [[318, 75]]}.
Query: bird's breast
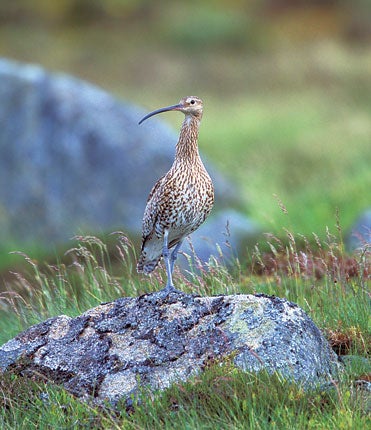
{"points": [[187, 201]]}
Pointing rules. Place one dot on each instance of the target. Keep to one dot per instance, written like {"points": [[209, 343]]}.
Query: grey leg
{"points": [[169, 263], [166, 255]]}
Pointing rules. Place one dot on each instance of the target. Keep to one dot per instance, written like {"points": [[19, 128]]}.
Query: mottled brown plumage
{"points": [[181, 200]]}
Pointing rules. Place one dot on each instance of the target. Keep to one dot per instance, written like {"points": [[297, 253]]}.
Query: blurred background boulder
{"points": [[359, 234], [286, 86], [74, 160]]}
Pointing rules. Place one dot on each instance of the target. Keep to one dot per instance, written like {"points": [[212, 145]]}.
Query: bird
{"points": [[180, 201]]}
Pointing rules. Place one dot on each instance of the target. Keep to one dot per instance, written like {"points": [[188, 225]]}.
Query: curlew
{"points": [[181, 200]]}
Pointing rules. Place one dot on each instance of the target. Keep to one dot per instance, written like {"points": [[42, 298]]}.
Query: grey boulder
{"points": [[359, 234], [73, 159], [224, 236], [109, 352]]}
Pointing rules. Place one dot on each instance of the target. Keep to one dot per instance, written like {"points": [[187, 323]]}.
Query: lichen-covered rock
{"points": [[109, 351]]}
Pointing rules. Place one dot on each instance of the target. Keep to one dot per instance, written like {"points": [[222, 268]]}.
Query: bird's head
{"points": [[190, 105]]}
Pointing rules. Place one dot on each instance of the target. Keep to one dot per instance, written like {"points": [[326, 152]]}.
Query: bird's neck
{"points": [[187, 146]]}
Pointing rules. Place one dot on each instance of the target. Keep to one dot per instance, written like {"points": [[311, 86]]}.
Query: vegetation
{"points": [[330, 286]]}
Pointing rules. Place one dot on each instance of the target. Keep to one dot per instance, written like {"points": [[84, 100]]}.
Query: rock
{"points": [[225, 236], [73, 159], [360, 233], [361, 395], [108, 352], [360, 389]]}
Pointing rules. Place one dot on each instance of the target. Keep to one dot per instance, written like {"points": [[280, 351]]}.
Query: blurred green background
{"points": [[286, 86]]}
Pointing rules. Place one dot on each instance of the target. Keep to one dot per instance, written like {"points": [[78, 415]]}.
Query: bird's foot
{"points": [[169, 294], [169, 289]]}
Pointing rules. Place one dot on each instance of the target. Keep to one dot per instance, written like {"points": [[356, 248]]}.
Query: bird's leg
{"points": [[166, 254], [174, 255], [169, 263]]}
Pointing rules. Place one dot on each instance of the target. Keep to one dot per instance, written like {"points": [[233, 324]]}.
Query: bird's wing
{"points": [[151, 211]]}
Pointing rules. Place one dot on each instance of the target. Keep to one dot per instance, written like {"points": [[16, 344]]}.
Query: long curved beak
{"points": [[164, 109]]}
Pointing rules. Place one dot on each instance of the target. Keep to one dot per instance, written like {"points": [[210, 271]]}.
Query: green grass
{"points": [[330, 285], [222, 397], [315, 160]]}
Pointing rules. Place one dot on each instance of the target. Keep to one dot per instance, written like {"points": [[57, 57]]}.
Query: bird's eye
{"points": [[192, 102]]}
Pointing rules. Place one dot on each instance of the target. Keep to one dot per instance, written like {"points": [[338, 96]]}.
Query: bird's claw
{"points": [[167, 291]]}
